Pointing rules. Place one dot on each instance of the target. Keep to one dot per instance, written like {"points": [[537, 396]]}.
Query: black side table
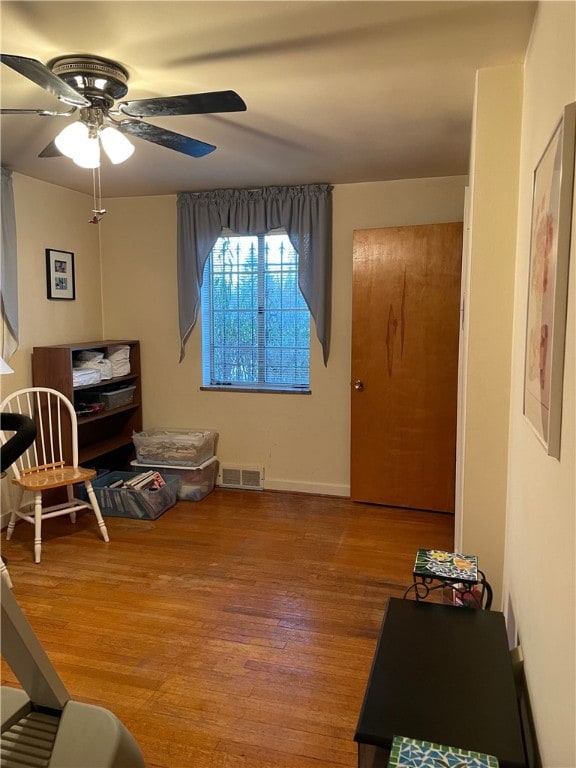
{"points": [[444, 675]]}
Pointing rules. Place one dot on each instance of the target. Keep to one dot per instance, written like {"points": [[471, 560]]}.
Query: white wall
{"points": [[48, 216], [495, 158], [541, 536], [302, 442]]}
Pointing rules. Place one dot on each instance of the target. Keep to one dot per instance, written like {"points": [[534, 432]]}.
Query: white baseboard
{"points": [[290, 486], [298, 486]]}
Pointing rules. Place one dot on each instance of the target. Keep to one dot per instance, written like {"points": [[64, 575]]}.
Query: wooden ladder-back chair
{"points": [[44, 465]]}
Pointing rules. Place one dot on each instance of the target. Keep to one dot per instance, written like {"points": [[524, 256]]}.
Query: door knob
{"points": [[359, 385]]}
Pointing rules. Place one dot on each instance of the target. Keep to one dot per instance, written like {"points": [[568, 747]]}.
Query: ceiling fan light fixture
{"points": [[116, 145], [71, 139], [88, 154]]}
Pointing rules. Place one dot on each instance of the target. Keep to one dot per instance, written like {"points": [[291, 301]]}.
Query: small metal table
{"points": [[435, 569]]}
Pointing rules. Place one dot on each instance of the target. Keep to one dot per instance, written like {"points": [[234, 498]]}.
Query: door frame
{"points": [[462, 374]]}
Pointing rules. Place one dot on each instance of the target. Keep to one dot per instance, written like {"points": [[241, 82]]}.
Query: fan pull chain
{"points": [[98, 211]]}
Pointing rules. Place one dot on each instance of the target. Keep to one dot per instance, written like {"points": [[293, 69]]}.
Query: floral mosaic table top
{"points": [[412, 753], [452, 566]]}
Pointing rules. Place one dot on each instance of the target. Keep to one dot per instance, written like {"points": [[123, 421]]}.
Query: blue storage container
{"points": [[129, 502]]}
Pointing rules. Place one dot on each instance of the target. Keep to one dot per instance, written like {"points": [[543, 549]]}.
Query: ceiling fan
{"points": [[92, 85]]}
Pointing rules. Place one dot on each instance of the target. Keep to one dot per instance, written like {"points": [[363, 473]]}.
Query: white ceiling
{"points": [[337, 92]]}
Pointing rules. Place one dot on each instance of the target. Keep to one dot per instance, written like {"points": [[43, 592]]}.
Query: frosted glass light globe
{"points": [[71, 138], [116, 145]]}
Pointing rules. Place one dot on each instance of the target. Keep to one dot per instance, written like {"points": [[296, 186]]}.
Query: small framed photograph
{"points": [[60, 275]]}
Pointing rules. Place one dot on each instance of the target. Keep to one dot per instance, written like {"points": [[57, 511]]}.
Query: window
{"points": [[255, 322]]}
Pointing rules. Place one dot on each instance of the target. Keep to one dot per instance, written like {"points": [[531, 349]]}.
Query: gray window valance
{"points": [[305, 212]]}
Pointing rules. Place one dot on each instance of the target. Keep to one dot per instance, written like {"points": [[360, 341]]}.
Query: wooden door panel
{"points": [[406, 293]]}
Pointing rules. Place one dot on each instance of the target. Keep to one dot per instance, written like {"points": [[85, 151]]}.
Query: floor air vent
{"points": [[248, 478]]}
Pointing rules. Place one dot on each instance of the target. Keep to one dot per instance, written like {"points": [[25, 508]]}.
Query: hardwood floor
{"points": [[234, 632]]}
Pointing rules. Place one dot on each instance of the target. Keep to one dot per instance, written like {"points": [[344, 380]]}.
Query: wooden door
{"points": [[405, 325]]}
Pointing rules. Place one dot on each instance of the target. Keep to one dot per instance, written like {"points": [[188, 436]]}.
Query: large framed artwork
{"points": [[60, 281], [548, 283]]}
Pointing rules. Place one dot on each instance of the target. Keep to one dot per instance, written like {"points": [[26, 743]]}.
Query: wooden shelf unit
{"points": [[104, 438]]}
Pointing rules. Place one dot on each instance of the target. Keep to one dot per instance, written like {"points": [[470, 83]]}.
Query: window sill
{"points": [[255, 390]]}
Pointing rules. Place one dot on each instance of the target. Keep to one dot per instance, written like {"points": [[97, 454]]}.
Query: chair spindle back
{"points": [[54, 432]]}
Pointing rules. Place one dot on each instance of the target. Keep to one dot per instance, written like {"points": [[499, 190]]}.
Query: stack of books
{"points": [[145, 481]]}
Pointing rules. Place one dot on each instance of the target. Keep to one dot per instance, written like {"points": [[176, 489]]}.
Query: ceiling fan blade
{"points": [[36, 72], [51, 150], [165, 138], [191, 104]]}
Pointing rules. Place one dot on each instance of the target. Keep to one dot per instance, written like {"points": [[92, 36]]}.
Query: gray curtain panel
{"points": [[305, 212], [9, 267]]}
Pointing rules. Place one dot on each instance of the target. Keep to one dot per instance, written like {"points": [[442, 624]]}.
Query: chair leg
{"points": [[37, 526], [4, 573], [13, 516], [96, 510], [11, 526], [70, 492]]}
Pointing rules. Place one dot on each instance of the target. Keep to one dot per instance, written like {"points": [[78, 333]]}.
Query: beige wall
{"points": [[52, 217], [302, 442], [541, 537], [495, 160]]}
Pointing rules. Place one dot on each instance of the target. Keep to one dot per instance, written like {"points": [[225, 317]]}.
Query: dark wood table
{"points": [[441, 674]]}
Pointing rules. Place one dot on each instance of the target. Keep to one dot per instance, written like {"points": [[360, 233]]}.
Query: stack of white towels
{"points": [[91, 366], [83, 377], [119, 356]]}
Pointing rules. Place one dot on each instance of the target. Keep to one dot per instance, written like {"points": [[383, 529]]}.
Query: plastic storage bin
{"points": [[195, 482], [128, 502], [116, 398], [175, 447]]}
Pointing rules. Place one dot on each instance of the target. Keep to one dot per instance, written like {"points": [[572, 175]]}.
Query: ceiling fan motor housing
{"points": [[102, 81]]}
